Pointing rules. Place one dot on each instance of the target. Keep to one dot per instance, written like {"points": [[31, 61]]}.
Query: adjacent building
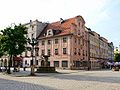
{"points": [[100, 51], [110, 52], [34, 28]]}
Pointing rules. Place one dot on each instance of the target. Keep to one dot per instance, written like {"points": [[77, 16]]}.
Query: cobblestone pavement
{"points": [[65, 80]]}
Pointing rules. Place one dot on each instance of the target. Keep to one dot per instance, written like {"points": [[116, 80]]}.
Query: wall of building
{"points": [[59, 46]]}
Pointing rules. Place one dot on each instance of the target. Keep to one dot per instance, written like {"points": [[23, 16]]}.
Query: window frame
{"points": [[56, 41], [64, 50], [56, 52], [64, 39]]}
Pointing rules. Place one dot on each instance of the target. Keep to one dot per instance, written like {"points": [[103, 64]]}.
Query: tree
{"points": [[13, 37], [1, 48], [117, 57]]}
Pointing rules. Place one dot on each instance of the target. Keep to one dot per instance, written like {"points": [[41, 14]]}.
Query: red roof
{"points": [[65, 26]]}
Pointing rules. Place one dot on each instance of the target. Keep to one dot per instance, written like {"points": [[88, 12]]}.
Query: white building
{"points": [[34, 28]]}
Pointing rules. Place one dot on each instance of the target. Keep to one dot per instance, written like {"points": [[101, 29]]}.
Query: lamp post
{"points": [[32, 42]]}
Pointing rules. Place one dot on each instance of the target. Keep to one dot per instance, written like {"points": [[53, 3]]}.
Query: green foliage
{"points": [[1, 47], [117, 57], [12, 37]]}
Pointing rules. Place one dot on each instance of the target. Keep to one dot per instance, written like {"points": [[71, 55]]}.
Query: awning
{"points": [[18, 58]]}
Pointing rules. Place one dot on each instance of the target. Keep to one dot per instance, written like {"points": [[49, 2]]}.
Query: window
{"points": [[86, 53], [25, 62], [75, 40], [79, 23], [83, 42], [49, 32], [37, 54], [77, 64], [56, 41], [78, 41], [64, 51], [36, 62], [49, 52], [31, 62], [64, 63], [64, 39], [56, 51], [78, 51], [32, 35], [43, 52], [75, 51], [31, 54], [36, 51], [43, 42], [25, 53], [78, 32], [49, 42], [56, 63], [83, 53]]}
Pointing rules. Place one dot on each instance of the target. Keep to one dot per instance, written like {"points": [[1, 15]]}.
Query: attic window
{"points": [[49, 32]]}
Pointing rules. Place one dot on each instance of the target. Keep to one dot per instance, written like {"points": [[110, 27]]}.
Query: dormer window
{"points": [[49, 32]]}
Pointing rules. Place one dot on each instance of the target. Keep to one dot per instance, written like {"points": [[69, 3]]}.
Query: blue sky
{"points": [[101, 16], [109, 27]]}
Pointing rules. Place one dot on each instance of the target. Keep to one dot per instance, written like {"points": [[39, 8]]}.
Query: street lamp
{"points": [[32, 42]]}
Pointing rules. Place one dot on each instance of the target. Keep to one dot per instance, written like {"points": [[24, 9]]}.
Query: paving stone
{"points": [[65, 80]]}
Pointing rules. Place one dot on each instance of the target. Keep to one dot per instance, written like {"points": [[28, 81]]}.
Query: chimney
{"points": [[61, 20], [30, 22]]}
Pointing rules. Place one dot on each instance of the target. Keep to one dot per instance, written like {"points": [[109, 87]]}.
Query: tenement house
{"points": [[93, 49], [66, 43], [100, 51]]}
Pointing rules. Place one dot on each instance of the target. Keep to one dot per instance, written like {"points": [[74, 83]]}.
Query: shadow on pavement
{"points": [[15, 85], [89, 78]]}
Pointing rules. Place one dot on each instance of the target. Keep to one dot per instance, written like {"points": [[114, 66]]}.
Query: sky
{"points": [[102, 16]]}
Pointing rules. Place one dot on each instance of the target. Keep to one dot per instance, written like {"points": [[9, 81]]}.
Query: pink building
{"points": [[66, 41]]}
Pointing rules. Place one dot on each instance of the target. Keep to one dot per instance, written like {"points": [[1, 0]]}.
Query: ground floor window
{"points": [[31, 62], [48, 63], [84, 63], [25, 62], [64, 63], [56, 63], [77, 63], [36, 62]]}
